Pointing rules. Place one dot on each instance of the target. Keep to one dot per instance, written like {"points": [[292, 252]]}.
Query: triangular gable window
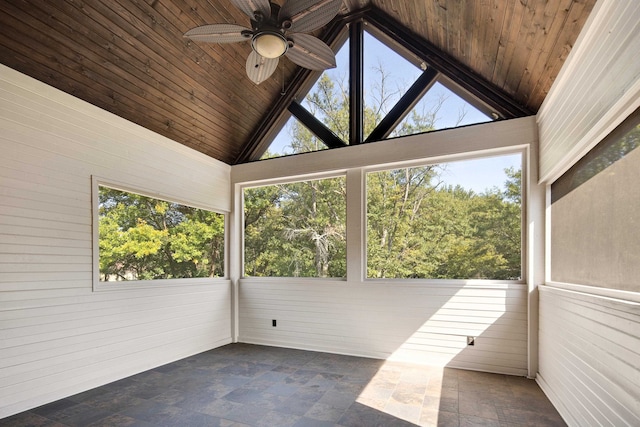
{"points": [[440, 108], [386, 78], [396, 85], [320, 108], [294, 138]]}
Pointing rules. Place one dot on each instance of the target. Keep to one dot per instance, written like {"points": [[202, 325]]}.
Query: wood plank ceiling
{"points": [[129, 57]]}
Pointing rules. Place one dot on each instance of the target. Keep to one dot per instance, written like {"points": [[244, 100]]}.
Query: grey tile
{"points": [[286, 369], [191, 419], [71, 413], [220, 407], [246, 369], [282, 389], [50, 409], [472, 421], [248, 414], [529, 418], [311, 422], [338, 399], [113, 401], [472, 404], [280, 419], [448, 419], [363, 416], [243, 395], [195, 402], [154, 412], [115, 420], [29, 419], [448, 404], [300, 377], [324, 412], [323, 381], [295, 405], [242, 385], [170, 397]]}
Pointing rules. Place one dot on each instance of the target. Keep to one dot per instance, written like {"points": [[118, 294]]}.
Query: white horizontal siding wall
{"points": [[597, 88], [420, 323], [590, 357], [589, 343], [57, 336]]}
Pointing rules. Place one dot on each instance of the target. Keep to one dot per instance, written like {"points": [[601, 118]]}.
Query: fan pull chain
{"points": [[283, 92]]}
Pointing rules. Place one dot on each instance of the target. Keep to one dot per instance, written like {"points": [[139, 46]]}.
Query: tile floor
{"points": [[248, 385]]}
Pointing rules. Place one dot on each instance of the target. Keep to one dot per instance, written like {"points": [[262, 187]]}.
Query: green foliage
{"points": [[416, 226], [296, 229], [143, 239], [416, 229]]}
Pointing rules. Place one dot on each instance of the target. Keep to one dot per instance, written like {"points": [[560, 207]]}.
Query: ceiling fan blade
{"points": [[219, 33], [308, 15], [251, 6], [311, 52], [260, 68]]}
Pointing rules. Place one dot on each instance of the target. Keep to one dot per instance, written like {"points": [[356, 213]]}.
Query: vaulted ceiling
{"points": [[129, 57]]}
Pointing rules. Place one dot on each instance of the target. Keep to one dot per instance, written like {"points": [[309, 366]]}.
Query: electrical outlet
{"points": [[471, 340]]}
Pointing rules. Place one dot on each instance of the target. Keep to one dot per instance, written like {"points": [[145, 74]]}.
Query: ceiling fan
{"points": [[275, 31]]}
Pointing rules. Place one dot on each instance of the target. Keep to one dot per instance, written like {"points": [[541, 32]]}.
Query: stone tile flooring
{"points": [[248, 385]]}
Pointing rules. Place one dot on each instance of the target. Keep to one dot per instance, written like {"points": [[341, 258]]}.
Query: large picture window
{"points": [[295, 229], [142, 238], [458, 220]]}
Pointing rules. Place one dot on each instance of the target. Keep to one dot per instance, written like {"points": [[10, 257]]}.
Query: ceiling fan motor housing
{"points": [[268, 39]]}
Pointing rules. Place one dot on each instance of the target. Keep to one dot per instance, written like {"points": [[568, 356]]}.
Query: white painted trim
{"points": [[623, 108], [100, 286], [141, 191], [236, 253], [533, 248], [573, 119], [356, 225], [419, 283], [291, 179], [486, 139], [611, 294], [547, 235]]}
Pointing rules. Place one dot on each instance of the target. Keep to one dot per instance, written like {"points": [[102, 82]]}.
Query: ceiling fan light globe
{"points": [[269, 45]]}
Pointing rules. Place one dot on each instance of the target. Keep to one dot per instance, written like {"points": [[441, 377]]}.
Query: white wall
{"points": [[58, 336], [418, 321], [589, 365], [589, 338], [596, 89]]}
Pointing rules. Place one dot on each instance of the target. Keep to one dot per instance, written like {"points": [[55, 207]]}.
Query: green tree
{"points": [[416, 226], [141, 238], [298, 231]]}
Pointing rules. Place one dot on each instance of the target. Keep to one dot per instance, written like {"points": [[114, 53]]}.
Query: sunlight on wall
{"points": [[443, 337]]}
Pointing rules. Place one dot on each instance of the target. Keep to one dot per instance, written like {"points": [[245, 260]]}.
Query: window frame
{"points": [[522, 152], [515, 149], [98, 285], [285, 180]]}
